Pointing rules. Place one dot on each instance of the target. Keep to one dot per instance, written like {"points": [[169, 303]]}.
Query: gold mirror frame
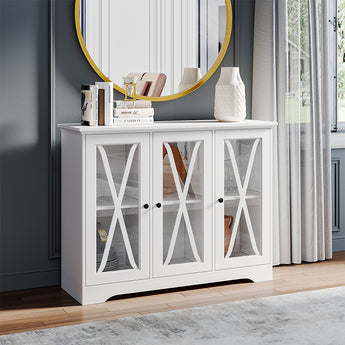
{"points": [[175, 95]]}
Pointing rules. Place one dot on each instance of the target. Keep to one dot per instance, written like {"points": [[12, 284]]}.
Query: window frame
{"points": [[332, 32]]}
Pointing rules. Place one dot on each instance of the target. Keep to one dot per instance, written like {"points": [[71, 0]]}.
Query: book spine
{"points": [[132, 104], [101, 105], [109, 105], [144, 112], [94, 103], [133, 121], [108, 101]]}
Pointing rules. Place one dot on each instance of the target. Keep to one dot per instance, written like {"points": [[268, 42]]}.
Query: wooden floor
{"points": [[51, 307]]}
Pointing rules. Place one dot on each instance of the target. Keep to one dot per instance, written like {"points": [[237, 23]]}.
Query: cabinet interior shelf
{"points": [[233, 195], [173, 199], [241, 253], [122, 267], [176, 261], [106, 203]]}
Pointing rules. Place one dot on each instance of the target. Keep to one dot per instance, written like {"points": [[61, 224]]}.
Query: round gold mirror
{"points": [[171, 47]]}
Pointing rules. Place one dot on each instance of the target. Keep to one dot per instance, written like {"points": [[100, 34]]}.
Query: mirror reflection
{"points": [[167, 44]]}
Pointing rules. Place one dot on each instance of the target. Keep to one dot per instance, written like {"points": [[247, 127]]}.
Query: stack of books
{"points": [[97, 104], [133, 112]]}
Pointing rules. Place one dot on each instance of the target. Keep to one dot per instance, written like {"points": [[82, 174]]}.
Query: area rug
{"points": [[306, 318]]}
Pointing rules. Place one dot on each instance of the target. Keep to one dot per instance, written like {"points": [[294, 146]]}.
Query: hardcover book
{"points": [[133, 121], [135, 112], [132, 104], [100, 107], [89, 104], [108, 101]]}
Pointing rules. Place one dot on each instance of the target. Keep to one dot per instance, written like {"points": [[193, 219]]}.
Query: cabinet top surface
{"points": [[158, 126]]}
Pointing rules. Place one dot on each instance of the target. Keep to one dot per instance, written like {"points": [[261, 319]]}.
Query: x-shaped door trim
{"points": [[182, 210], [117, 200], [242, 190]]}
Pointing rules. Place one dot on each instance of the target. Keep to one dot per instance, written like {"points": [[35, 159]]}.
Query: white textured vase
{"points": [[230, 96], [190, 77]]}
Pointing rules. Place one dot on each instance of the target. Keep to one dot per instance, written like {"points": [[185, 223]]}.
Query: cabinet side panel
{"points": [[72, 201]]}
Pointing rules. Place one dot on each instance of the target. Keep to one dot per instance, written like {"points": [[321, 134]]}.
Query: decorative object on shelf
{"points": [[112, 260], [230, 185], [89, 105], [102, 234], [132, 111], [168, 178], [230, 96], [189, 78], [149, 84], [97, 104], [105, 103], [132, 104], [130, 84], [228, 224]]}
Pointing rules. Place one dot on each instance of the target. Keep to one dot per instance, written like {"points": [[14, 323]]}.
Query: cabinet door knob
{"points": [[159, 205], [146, 206], [220, 200]]}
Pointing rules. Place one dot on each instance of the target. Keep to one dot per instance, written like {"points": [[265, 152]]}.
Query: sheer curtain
{"points": [[290, 87]]}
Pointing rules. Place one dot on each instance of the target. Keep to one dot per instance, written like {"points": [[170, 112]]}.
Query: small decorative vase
{"points": [[190, 77], [230, 96], [228, 224]]}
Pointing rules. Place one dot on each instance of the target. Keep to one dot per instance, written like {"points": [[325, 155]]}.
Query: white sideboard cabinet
{"points": [[164, 205]]}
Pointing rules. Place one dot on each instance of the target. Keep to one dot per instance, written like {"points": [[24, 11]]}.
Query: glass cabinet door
{"points": [[117, 217], [240, 201], [182, 196]]}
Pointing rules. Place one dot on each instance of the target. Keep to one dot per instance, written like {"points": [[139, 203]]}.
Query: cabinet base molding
{"points": [[101, 293]]}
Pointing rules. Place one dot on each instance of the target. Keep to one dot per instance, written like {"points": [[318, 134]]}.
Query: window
{"points": [[336, 38], [341, 63], [298, 60]]}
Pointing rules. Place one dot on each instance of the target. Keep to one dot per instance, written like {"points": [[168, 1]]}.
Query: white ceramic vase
{"points": [[190, 77], [230, 96]]}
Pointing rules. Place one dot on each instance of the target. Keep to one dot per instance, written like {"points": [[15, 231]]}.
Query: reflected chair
{"points": [[149, 84]]}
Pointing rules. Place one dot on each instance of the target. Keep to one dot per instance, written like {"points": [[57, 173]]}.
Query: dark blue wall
{"points": [[24, 145], [29, 244]]}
